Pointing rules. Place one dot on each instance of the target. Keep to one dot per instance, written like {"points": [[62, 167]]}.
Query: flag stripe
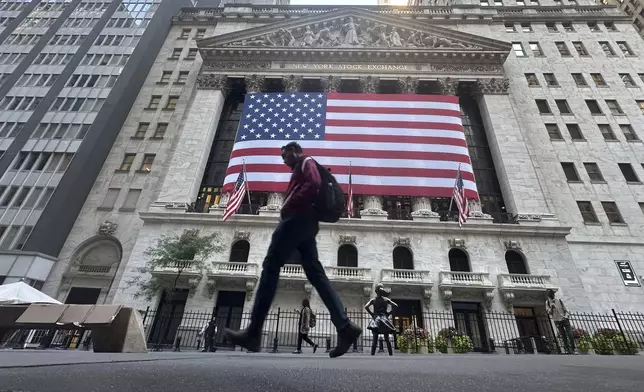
{"points": [[356, 170], [393, 118], [439, 133], [394, 124], [396, 139], [390, 110], [389, 98]]}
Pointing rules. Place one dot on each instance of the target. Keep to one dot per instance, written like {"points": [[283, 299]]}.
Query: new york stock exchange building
{"points": [[551, 105]]}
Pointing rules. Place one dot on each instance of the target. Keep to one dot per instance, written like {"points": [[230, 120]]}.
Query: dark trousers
{"points": [[294, 233], [374, 343], [565, 331], [209, 343], [303, 337]]}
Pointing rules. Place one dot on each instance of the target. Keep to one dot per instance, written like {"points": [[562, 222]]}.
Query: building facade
{"points": [[633, 8], [552, 107], [70, 70]]}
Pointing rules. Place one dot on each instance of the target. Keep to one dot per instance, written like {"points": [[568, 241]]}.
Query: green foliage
{"points": [[602, 345], [462, 344], [174, 254], [625, 345], [584, 344], [412, 339], [441, 344]]}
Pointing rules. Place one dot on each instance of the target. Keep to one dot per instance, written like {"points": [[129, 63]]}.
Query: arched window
{"points": [[347, 256], [515, 262], [101, 254], [239, 252], [403, 259], [458, 261]]}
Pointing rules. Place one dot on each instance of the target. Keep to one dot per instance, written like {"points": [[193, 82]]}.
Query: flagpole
{"points": [[246, 185], [455, 181]]}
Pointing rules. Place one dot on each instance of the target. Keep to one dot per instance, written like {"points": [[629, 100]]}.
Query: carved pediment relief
{"points": [[354, 28]]}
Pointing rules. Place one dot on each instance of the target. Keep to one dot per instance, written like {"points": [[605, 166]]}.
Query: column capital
{"points": [[369, 84], [330, 84], [448, 86], [493, 86], [408, 85], [255, 83], [213, 82], [292, 83]]}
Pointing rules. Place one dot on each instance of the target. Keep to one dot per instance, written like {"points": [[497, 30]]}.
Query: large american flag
{"points": [[396, 144]]}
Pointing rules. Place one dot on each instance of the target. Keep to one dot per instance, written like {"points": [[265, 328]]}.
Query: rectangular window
{"points": [[593, 171], [608, 50], [160, 131], [526, 27], [563, 107], [610, 26], [11, 236], [628, 132], [607, 132], [593, 106], [628, 172], [141, 130], [575, 131], [172, 102], [553, 132], [33, 197], [550, 79], [642, 207], [20, 159], [568, 27], [128, 160], [509, 28], [641, 105], [200, 33], [580, 48], [592, 26], [570, 171], [8, 196], [587, 212], [536, 49], [485, 3], [192, 54], [579, 79], [552, 27], [176, 53], [627, 79], [182, 77], [562, 48], [165, 77], [614, 107], [521, 2], [146, 165], [543, 106], [22, 195], [626, 50], [155, 100], [185, 34], [598, 79], [131, 199], [533, 81], [110, 198], [612, 212]]}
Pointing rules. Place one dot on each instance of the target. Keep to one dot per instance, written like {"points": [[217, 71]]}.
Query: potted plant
{"points": [[446, 336], [413, 341], [582, 340], [602, 341]]}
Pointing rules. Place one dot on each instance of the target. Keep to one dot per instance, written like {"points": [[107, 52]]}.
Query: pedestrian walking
{"points": [[559, 314], [380, 323], [208, 332], [312, 195], [306, 322]]}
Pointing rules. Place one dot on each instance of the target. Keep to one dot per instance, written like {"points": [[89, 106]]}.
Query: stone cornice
{"points": [[359, 225], [438, 15]]}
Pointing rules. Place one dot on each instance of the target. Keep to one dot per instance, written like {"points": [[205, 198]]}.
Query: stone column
{"points": [[422, 209], [476, 212], [448, 86], [369, 84], [274, 204], [188, 162], [255, 83], [292, 83], [331, 84], [520, 185], [408, 85]]}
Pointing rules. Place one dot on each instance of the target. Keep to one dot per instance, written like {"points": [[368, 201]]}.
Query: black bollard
{"points": [[355, 346], [507, 349], [382, 348], [177, 344], [275, 343], [492, 346], [328, 344]]}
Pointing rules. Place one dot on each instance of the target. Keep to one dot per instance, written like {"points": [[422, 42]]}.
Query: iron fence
{"points": [[458, 331]]}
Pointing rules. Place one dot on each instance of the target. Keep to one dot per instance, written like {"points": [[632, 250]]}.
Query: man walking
{"points": [[558, 312], [297, 230], [305, 326]]}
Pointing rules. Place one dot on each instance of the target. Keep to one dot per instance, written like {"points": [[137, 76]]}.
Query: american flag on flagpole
{"points": [[350, 198], [459, 197], [390, 144], [237, 198]]}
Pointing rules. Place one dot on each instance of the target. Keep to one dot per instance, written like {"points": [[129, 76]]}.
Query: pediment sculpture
{"points": [[352, 32]]}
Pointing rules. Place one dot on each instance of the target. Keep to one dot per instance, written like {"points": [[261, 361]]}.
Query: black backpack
{"points": [[330, 202]]}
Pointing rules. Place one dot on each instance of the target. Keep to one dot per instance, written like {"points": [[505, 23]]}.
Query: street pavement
{"points": [[78, 371]]}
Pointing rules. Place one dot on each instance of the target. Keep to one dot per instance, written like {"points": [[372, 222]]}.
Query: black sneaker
{"points": [[243, 339], [346, 337], [315, 348]]}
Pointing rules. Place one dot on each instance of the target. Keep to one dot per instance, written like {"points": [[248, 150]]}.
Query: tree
{"points": [[174, 255]]}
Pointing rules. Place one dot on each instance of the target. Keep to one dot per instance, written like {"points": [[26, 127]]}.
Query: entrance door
{"points": [[83, 296], [468, 320], [228, 314], [404, 316], [168, 317]]}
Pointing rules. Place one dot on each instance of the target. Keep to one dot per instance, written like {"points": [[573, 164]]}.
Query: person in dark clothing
{"points": [[305, 327], [209, 337], [297, 230], [380, 323]]}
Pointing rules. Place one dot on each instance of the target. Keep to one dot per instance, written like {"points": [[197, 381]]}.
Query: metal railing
{"points": [[465, 278], [231, 268], [458, 331], [405, 276], [349, 273], [526, 281]]}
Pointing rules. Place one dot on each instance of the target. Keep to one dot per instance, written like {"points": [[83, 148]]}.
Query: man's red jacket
{"points": [[302, 188]]}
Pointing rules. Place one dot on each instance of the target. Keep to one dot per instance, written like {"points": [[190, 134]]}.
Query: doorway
{"points": [[405, 315], [168, 317], [469, 320], [228, 312], [83, 296]]}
